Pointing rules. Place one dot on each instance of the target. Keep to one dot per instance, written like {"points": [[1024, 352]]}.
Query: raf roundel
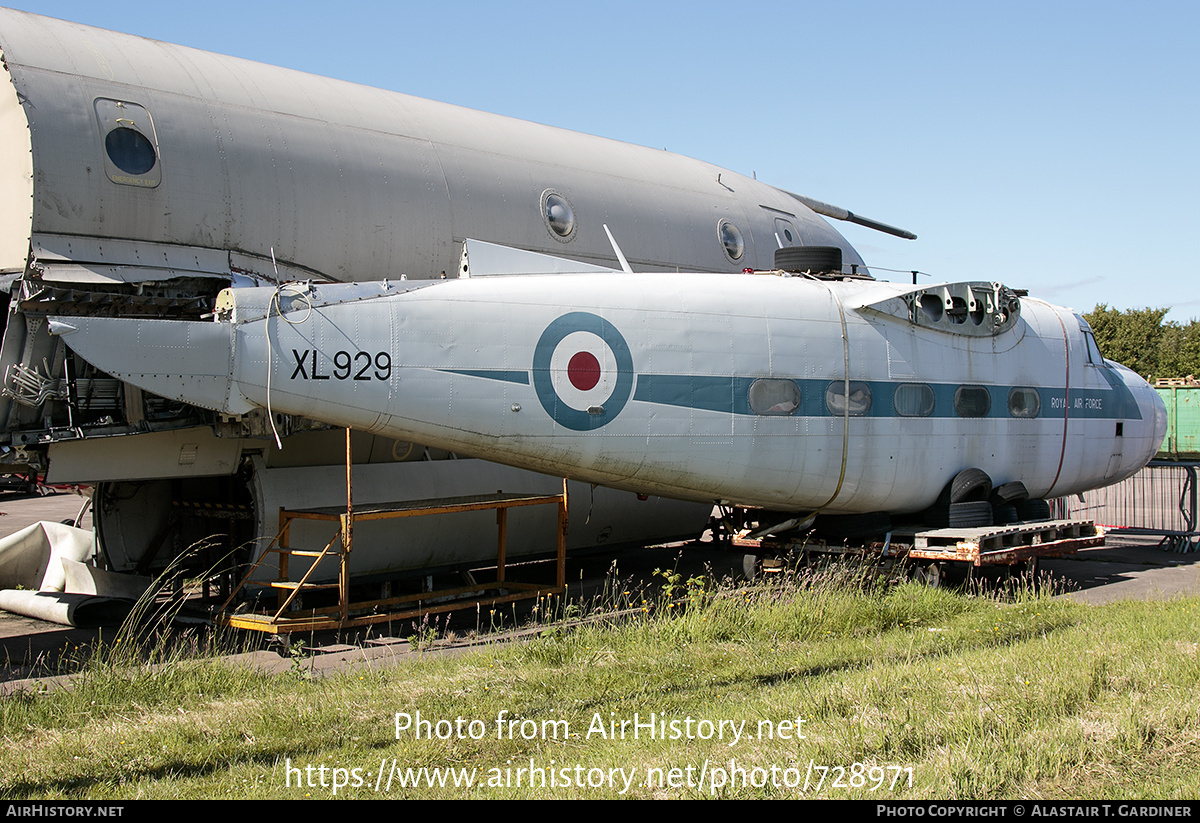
{"points": [[582, 371]]}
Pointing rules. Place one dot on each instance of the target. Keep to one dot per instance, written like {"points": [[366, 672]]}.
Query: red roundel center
{"points": [[583, 371]]}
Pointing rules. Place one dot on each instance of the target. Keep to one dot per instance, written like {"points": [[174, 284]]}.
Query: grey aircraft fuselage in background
{"points": [[140, 179]]}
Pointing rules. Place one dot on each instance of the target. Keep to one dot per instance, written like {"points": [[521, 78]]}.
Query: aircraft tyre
{"points": [[817, 259], [970, 485], [928, 574], [1009, 493], [1033, 510], [1003, 515], [750, 567], [969, 515]]}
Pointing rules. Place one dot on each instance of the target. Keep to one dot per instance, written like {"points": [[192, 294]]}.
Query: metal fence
{"points": [[1160, 499]]}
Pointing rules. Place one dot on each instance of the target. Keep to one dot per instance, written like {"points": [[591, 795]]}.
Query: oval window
{"points": [[731, 240], [774, 397], [130, 150], [972, 401], [1024, 402], [913, 400], [558, 214], [859, 402]]}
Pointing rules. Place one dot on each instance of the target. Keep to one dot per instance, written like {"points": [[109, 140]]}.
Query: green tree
{"points": [[1141, 340], [1131, 337], [1179, 350]]}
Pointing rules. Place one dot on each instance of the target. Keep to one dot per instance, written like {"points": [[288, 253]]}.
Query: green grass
{"points": [[975, 697]]}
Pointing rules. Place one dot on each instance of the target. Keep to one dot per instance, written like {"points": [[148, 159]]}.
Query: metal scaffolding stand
{"points": [[347, 614]]}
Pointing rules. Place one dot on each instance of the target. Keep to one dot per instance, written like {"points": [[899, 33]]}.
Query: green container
{"points": [[1183, 423]]}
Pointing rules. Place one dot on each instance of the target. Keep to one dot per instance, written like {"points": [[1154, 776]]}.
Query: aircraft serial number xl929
{"points": [[157, 200]]}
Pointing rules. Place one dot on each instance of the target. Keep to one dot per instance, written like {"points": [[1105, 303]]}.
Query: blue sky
{"points": [[1050, 146]]}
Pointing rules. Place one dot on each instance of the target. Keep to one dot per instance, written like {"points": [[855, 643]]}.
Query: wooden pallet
{"points": [[1004, 545], [979, 546]]}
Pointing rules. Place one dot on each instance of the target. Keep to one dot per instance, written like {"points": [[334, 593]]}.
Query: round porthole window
{"points": [[559, 216], [731, 240], [130, 150]]}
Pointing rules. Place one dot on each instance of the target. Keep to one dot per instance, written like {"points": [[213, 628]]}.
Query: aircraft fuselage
{"points": [[776, 391]]}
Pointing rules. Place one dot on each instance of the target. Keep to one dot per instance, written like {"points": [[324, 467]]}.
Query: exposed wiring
{"points": [[300, 290]]}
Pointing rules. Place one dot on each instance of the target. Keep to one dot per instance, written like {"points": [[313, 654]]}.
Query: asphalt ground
{"points": [[32, 651]]}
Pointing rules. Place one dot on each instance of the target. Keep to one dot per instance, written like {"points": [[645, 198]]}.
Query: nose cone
{"points": [[1143, 437]]}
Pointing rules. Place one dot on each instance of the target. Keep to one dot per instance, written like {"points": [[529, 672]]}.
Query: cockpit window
{"points": [[1089, 339]]}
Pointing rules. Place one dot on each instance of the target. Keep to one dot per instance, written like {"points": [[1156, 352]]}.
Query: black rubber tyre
{"points": [[750, 567], [970, 485], [930, 574], [1006, 493], [971, 514], [1031, 511], [814, 259], [1004, 515]]}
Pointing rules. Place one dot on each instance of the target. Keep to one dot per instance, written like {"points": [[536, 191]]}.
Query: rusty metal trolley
{"points": [[927, 551], [347, 614]]}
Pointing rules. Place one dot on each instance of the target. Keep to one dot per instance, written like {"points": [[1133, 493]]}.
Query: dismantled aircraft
{"points": [[788, 393], [159, 201]]}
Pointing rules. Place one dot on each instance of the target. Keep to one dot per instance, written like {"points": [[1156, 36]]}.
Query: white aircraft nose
{"points": [[1149, 432]]}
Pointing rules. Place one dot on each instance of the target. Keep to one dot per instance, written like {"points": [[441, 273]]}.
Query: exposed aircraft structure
{"points": [[139, 179]]}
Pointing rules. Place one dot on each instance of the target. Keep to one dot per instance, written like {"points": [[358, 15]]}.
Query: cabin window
{"points": [[913, 400], [731, 240], [972, 401], [774, 397], [558, 215], [859, 403], [1024, 402]]}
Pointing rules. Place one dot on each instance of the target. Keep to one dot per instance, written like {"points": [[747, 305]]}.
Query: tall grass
{"points": [[980, 697]]}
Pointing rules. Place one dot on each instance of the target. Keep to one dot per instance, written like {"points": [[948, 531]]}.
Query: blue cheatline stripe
{"points": [[718, 394], [505, 375], [730, 395]]}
